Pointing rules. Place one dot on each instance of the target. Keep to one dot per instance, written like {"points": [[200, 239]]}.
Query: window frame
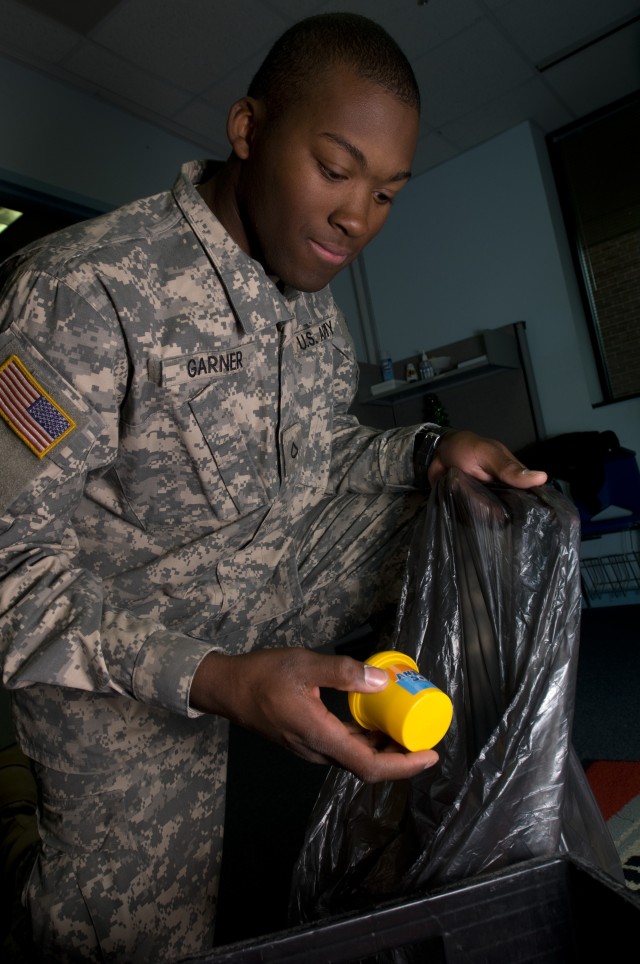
{"points": [[572, 227]]}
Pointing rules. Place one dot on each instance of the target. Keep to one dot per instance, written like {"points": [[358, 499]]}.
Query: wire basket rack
{"points": [[616, 575]]}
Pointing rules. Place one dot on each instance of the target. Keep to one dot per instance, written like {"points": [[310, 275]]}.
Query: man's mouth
{"points": [[330, 253]]}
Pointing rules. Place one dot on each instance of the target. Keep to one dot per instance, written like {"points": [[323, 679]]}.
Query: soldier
{"points": [[188, 506]]}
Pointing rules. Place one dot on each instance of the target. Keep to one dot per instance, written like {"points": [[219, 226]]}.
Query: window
{"points": [[596, 163]]}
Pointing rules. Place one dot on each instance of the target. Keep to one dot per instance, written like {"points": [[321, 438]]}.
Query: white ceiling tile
{"points": [[106, 71], [29, 34], [543, 28], [234, 83], [506, 111], [415, 28], [78, 15], [599, 75], [189, 43], [181, 63], [466, 72], [293, 10]]}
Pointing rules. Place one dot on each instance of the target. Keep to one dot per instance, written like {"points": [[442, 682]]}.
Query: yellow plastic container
{"points": [[410, 709]]}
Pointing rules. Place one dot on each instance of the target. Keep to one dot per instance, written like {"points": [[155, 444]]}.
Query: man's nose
{"points": [[353, 214]]}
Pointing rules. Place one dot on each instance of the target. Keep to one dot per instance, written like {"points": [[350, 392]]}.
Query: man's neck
{"points": [[219, 194]]}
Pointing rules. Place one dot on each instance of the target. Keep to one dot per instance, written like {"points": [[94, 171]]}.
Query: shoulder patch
{"points": [[29, 410]]}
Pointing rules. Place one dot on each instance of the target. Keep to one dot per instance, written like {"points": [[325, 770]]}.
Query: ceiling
{"points": [[483, 65]]}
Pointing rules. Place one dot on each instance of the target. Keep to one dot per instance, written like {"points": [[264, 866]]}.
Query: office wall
{"points": [[63, 142], [476, 243]]}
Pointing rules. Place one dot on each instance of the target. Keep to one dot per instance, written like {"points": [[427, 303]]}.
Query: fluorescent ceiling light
{"points": [[7, 217]]}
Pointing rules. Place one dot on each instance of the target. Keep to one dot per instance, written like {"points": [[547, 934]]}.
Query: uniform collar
{"points": [[256, 300]]}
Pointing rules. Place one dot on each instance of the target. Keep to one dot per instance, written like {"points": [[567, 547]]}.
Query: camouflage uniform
{"points": [[193, 481]]}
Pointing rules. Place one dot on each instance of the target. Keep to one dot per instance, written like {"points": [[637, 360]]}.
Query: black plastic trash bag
{"points": [[490, 611]]}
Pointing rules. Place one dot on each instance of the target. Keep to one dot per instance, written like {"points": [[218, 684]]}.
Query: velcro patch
{"points": [[29, 409]]}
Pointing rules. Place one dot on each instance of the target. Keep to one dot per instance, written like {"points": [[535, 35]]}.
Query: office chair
{"points": [[602, 478], [618, 497]]}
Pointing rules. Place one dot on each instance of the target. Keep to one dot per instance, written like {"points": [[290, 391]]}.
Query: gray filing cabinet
{"points": [[490, 389]]}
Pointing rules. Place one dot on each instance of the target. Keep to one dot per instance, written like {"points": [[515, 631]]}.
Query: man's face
{"points": [[318, 184]]}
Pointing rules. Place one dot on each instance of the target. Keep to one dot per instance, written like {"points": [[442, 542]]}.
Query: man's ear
{"points": [[244, 116]]}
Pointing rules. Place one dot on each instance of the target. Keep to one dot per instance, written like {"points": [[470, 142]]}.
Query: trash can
{"points": [[548, 911]]}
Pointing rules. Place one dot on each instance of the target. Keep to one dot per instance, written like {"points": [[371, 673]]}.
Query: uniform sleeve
{"points": [[62, 377], [366, 459]]}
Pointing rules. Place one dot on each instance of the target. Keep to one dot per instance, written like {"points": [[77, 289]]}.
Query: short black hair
{"points": [[302, 54]]}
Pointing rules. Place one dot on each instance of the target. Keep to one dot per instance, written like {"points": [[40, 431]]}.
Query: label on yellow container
{"points": [[412, 681]]}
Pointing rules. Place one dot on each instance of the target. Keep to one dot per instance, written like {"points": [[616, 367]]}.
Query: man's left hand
{"points": [[485, 459]]}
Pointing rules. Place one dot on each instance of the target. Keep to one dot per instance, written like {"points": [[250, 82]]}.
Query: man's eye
{"points": [[331, 175], [383, 198]]}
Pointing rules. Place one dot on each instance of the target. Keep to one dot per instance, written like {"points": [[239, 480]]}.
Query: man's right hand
{"points": [[276, 692]]}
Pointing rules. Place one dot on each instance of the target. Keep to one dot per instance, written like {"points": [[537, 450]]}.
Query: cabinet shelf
{"points": [[415, 389], [490, 391]]}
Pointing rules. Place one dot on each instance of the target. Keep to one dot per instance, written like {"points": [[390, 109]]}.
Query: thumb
{"points": [[350, 675], [370, 680]]}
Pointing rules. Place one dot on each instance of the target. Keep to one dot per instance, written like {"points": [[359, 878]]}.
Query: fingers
{"points": [[373, 765], [505, 467], [520, 477], [323, 738], [393, 766], [483, 459], [368, 756]]}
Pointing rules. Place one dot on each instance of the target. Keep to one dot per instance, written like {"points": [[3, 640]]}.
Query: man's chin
{"points": [[311, 282]]}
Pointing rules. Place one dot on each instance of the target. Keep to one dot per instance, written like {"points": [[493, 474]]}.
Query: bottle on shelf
{"points": [[386, 367], [426, 368]]}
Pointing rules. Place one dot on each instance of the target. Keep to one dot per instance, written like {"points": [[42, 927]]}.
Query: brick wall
{"points": [[615, 265]]}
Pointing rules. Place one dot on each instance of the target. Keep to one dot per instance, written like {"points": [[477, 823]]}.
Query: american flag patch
{"points": [[29, 410]]}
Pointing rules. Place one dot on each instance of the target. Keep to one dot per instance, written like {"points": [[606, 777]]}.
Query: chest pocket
{"points": [[228, 460], [216, 444]]}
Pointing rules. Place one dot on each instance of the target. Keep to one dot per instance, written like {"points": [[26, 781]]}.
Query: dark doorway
{"points": [[41, 214]]}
